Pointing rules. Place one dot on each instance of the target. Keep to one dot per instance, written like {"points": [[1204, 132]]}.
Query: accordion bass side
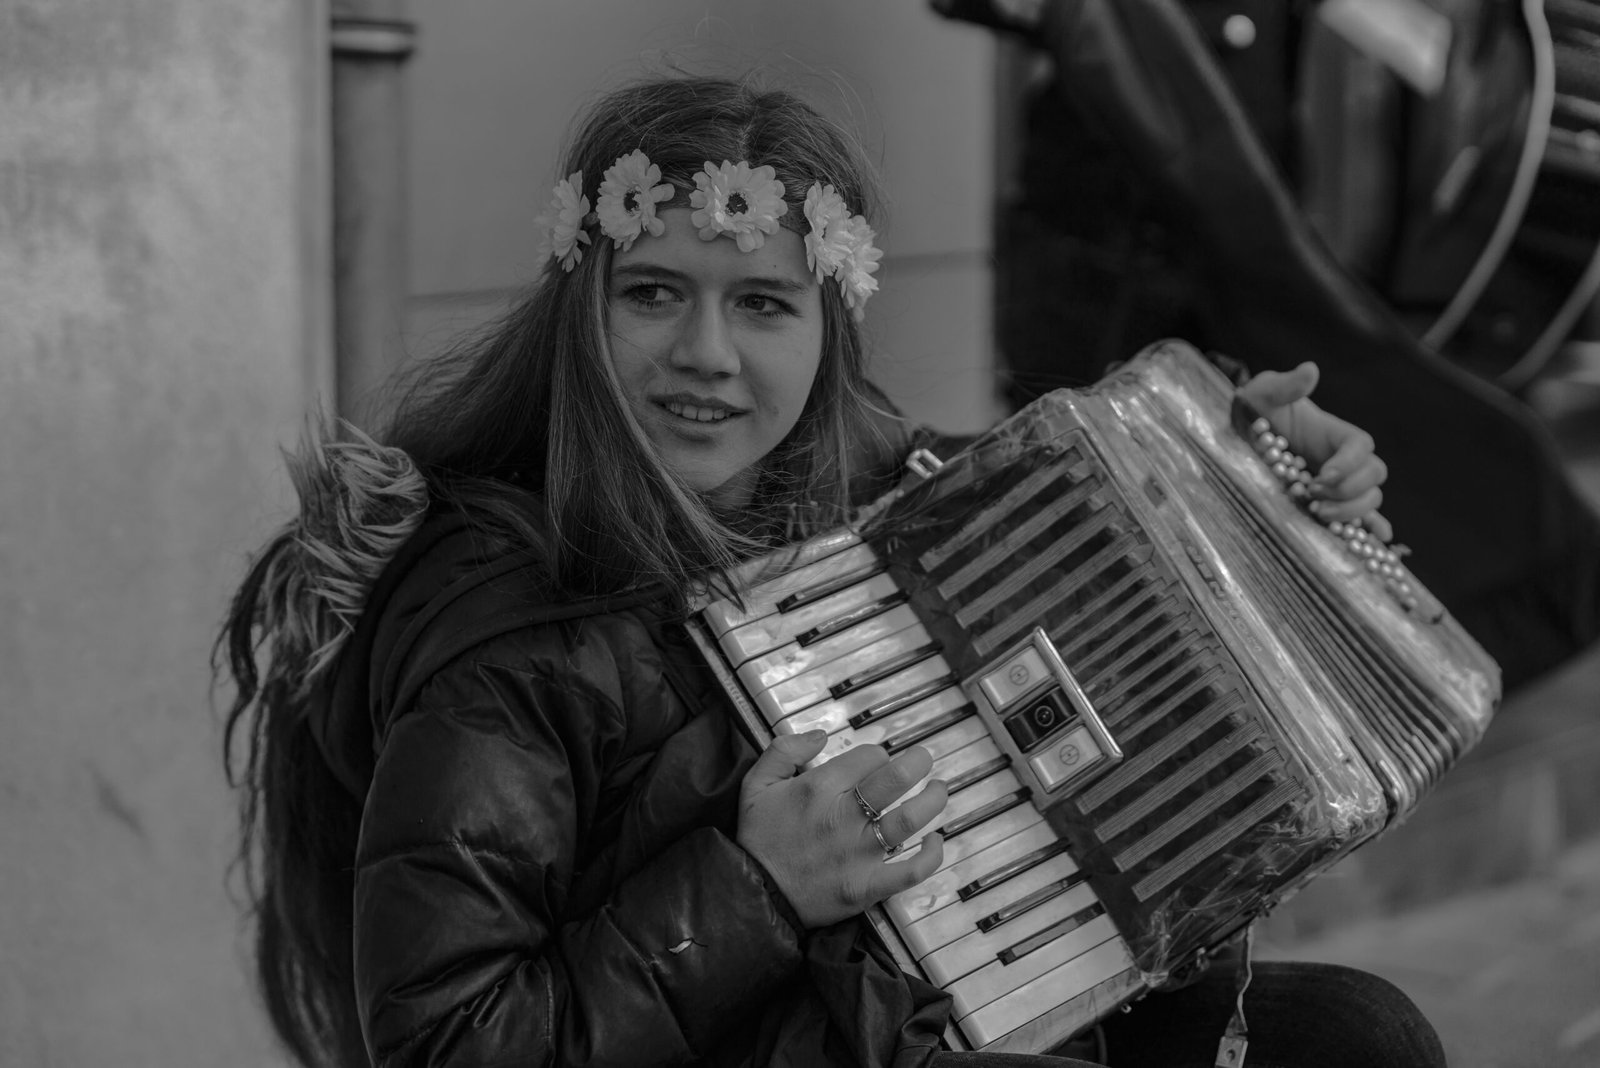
{"points": [[1162, 696]]}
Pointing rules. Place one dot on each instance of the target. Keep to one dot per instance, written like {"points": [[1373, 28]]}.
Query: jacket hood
{"points": [[347, 561]]}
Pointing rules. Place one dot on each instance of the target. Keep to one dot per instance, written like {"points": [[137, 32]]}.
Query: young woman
{"points": [[499, 810]]}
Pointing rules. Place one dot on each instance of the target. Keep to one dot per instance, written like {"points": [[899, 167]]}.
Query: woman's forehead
{"points": [[679, 249]]}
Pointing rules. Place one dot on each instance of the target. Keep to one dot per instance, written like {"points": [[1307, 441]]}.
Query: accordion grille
{"points": [[1202, 785]]}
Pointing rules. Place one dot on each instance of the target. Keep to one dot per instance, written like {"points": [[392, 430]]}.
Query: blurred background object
{"points": [[1406, 192]]}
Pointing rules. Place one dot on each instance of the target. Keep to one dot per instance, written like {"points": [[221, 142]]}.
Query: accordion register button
{"points": [[1072, 755], [1039, 718], [1014, 678]]}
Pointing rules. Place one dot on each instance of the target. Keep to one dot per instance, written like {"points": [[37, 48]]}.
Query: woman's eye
{"points": [[762, 304], [649, 295]]}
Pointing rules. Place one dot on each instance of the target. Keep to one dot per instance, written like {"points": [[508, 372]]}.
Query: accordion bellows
{"points": [[1162, 695]]}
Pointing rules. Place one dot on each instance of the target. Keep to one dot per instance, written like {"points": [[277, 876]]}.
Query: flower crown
{"points": [[733, 200]]}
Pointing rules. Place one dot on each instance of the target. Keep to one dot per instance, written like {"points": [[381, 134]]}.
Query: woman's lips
{"points": [[698, 413]]}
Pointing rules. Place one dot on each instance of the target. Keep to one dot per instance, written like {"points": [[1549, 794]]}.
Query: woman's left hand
{"points": [[1349, 473]]}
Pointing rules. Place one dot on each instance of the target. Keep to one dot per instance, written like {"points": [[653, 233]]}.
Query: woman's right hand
{"points": [[809, 832]]}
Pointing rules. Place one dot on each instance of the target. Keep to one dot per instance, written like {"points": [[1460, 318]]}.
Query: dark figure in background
{"points": [[1163, 192], [501, 809]]}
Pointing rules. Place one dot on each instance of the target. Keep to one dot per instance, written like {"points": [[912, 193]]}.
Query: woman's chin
{"points": [[722, 491]]}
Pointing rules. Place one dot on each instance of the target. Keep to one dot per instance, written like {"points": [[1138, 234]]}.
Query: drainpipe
{"points": [[370, 41]]}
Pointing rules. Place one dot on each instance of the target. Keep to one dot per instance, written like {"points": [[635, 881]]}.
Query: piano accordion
{"points": [[1162, 695]]}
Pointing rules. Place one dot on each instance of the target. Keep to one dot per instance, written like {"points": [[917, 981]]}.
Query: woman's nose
{"points": [[705, 346]]}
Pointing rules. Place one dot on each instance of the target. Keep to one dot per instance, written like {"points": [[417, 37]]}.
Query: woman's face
{"points": [[716, 349]]}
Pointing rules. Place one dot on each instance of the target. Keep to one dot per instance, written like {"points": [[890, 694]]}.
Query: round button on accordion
{"points": [[1162, 695]]}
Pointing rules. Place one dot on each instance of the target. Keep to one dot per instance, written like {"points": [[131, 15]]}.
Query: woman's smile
{"points": [[699, 410]]}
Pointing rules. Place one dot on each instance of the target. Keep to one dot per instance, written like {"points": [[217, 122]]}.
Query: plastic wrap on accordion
{"points": [[1162, 430]]}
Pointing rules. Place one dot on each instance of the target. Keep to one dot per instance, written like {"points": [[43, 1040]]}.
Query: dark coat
{"points": [[548, 870]]}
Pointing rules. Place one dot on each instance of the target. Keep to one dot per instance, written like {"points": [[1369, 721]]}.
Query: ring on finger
{"points": [[877, 832], [872, 814]]}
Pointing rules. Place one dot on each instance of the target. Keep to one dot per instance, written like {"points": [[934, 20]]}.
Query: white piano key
{"points": [[910, 722], [1032, 1000], [1005, 825], [1010, 822], [958, 735], [952, 766], [961, 917], [835, 714], [972, 757], [941, 888], [808, 688], [788, 661], [829, 559], [965, 802], [995, 980], [769, 632], [971, 952]]}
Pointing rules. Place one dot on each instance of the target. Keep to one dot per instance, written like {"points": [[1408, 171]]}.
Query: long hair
{"points": [[524, 428]]}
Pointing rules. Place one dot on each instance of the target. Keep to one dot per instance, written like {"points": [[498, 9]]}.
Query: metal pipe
{"points": [[370, 41]]}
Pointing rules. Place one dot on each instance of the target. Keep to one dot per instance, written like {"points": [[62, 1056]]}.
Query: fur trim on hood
{"points": [[359, 502]]}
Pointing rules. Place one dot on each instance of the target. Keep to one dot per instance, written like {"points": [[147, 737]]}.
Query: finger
{"points": [[1271, 390], [887, 783], [1353, 451], [1344, 511], [1371, 474], [901, 823], [786, 757], [907, 869], [1380, 526]]}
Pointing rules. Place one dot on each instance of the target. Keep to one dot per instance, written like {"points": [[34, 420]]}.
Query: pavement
{"points": [[1485, 906], [1509, 975]]}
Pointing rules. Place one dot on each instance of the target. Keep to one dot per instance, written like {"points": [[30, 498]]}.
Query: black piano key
{"points": [[905, 700], [1026, 862], [829, 588], [1012, 954], [1028, 902], [879, 672], [912, 735], [977, 816], [851, 618], [977, 774]]}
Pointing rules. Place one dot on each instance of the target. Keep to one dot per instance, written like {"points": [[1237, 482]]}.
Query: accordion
{"points": [[1162, 695]]}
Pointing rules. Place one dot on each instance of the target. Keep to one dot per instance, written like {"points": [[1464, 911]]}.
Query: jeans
{"points": [[1299, 1016]]}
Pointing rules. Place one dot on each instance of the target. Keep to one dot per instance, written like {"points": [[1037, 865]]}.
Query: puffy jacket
{"points": [[547, 870]]}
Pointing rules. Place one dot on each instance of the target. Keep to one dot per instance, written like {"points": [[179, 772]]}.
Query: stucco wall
{"points": [[158, 338]]}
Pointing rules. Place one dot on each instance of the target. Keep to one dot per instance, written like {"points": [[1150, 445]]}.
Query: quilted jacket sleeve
{"points": [[467, 950]]}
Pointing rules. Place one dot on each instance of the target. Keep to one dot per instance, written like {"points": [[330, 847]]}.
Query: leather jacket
{"points": [[547, 870]]}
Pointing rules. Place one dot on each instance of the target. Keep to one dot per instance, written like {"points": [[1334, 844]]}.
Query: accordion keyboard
{"points": [[950, 651], [1008, 921], [1161, 695]]}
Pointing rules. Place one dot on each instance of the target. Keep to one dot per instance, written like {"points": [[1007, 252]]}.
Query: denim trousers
{"points": [[1298, 1015]]}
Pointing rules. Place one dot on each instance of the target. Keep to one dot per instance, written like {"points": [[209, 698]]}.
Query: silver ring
{"points": [[877, 832], [872, 814]]}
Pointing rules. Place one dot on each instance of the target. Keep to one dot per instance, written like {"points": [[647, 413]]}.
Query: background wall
{"points": [[164, 322], [494, 84], [160, 322]]}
